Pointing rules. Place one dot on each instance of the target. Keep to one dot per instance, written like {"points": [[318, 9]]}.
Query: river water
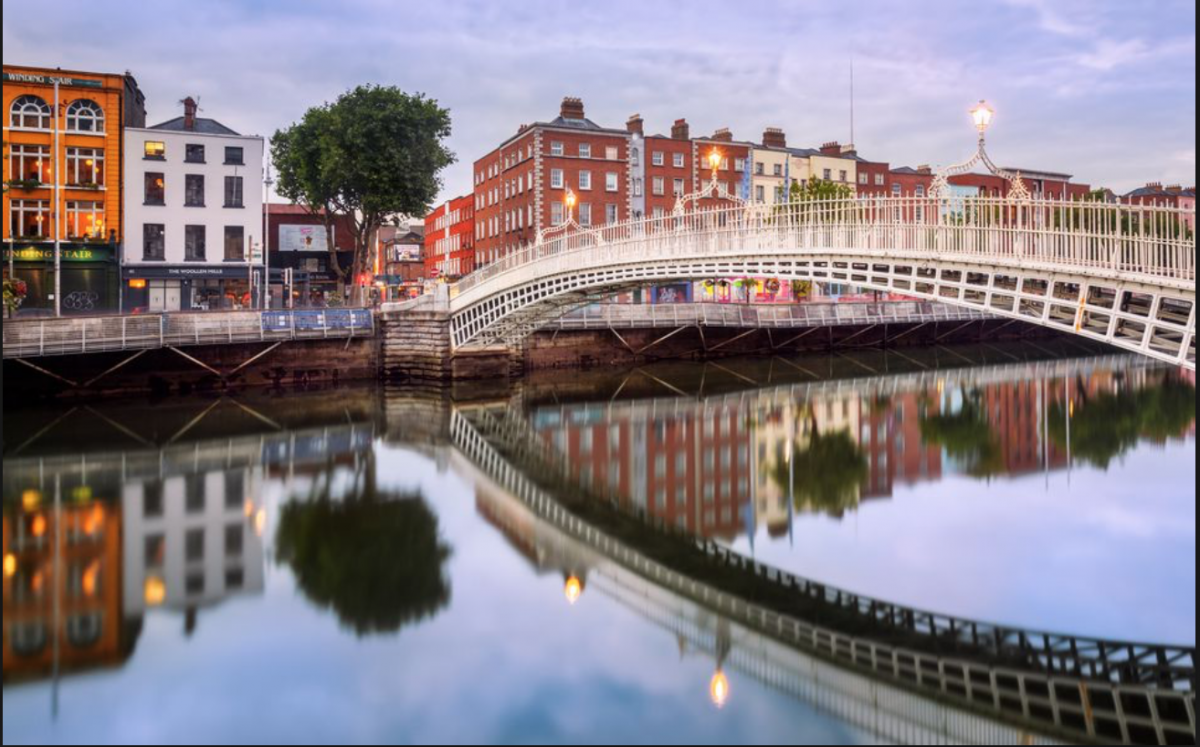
{"points": [[367, 564]]}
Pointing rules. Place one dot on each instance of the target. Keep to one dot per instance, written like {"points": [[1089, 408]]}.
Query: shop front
{"points": [[191, 288], [89, 277]]}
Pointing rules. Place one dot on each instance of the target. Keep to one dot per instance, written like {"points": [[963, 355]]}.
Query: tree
{"points": [[376, 560], [966, 436], [373, 154], [817, 196], [828, 472]]}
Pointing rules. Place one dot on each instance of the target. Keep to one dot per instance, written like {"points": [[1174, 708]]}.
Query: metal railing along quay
{"points": [[762, 316], [41, 337]]}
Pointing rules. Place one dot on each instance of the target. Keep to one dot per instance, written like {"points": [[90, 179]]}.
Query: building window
{"points": [[193, 190], [920, 190], [879, 180], [234, 155], [862, 178], [556, 148], [677, 187], [85, 219], [759, 193], [585, 214], [233, 191], [610, 181], [758, 168], [634, 156], [842, 175], [827, 175], [677, 160], [30, 218], [85, 167], [610, 152], [585, 150], [85, 115], [155, 150], [30, 112], [585, 180], [896, 189], [154, 246], [656, 186], [556, 213], [656, 158], [193, 243], [637, 187], [778, 171], [30, 163], [234, 534], [610, 213], [556, 178], [739, 164], [659, 213], [235, 244], [193, 153], [156, 193]]}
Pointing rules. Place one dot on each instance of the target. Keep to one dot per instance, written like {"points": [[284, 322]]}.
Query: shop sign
{"points": [[49, 80], [67, 254]]}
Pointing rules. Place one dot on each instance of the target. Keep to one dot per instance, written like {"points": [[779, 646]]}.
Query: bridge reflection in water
{"points": [[182, 510]]}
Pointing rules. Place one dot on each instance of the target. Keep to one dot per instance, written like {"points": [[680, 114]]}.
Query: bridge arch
{"points": [[1119, 274]]}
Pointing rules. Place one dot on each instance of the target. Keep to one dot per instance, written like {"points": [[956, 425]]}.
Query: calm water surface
{"points": [[341, 566]]}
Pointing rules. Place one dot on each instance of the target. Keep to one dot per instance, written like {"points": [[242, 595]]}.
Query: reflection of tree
{"points": [[375, 559], [828, 473], [1106, 426], [966, 436]]}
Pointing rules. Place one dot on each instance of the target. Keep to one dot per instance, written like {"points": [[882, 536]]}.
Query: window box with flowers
{"points": [[25, 184], [15, 291]]}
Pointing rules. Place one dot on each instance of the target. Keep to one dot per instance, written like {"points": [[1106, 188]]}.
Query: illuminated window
{"points": [[155, 149], [30, 218], [155, 189], [85, 167], [85, 115], [30, 163], [30, 112], [85, 219]]}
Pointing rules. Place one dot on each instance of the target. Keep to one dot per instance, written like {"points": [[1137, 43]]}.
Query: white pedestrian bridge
{"points": [[1121, 274]]}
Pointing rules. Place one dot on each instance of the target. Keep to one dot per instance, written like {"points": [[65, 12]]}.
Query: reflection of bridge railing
{"points": [[36, 337], [1105, 689], [761, 316]]}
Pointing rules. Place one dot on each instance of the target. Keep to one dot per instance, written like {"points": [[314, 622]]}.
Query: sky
{"points": [[1103, 90]]}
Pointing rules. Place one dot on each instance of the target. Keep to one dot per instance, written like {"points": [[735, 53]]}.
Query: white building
{"points": [[193, 216]]}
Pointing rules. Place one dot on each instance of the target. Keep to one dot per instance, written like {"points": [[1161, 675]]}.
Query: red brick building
{"points": [[521, 185], [734, 172], [669, 169], [1041, 184], [450, 239]]}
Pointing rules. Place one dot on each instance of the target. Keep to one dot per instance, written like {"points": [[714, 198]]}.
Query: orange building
{"points": [[63, 131]]}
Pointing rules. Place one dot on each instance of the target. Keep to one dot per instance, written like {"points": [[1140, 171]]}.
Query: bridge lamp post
{"points": [[569, 203], [714, 162], [981, 115]]}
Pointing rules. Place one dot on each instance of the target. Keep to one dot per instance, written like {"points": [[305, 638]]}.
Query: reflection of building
{"points": [[692, 470], [62, 585], [191, 540], [891, 440]]}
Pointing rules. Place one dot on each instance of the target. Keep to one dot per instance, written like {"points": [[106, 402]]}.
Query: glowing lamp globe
{"points": [[981, 115]]}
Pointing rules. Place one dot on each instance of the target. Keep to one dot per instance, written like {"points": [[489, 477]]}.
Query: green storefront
{"points": [[90, 276]]}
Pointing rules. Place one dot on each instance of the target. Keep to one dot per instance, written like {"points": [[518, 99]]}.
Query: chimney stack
{"points": [[832, 148], [679, 130], [849, 150], [189, 113], [1154, 185], [634, 125], [773, 137], [572, 108], [924, 169], [723, 135]]}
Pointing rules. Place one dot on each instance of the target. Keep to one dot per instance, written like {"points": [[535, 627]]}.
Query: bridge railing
{"points": [[1153, 241], [39, 337]]}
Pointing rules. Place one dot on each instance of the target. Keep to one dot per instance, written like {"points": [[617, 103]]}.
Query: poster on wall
{"points": [[295, 237]]}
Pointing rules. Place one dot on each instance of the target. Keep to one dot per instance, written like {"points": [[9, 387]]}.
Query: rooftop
{"points": [[203, 126]]}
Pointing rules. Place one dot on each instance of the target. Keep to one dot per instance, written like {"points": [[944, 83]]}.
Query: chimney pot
{"points": [[572, 108], [679, 130], [189, 113], [831, 148], [773, 137], [634, 125]]}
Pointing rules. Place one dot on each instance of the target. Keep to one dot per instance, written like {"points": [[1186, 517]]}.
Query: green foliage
{"points": [[376, 561], [807, 201], [966, 436], [1106, 426], [373, 154], [828, 472]]}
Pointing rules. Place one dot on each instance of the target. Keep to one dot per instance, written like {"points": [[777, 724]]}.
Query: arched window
{"points": [[30, 111], [85, 115]]}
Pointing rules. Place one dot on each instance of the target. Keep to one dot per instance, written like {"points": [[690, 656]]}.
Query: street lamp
{"points": [[569, 201], [718, 689], [714, 162], [981, 115]]}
